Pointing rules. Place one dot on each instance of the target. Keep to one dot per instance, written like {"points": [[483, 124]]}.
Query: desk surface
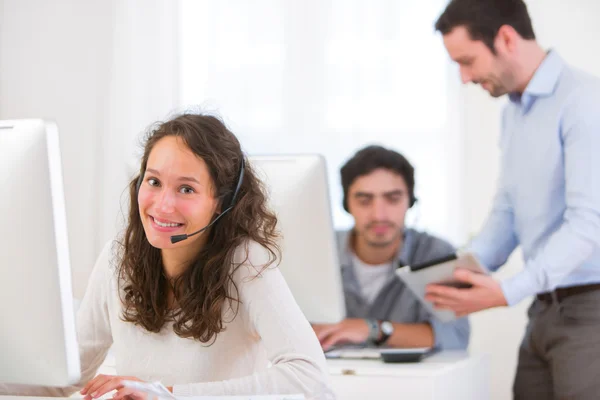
{"points": [[440, 366], [435, 364], [446, 375]]}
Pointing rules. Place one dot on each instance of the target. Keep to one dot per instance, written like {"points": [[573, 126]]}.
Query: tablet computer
{"points": [[439, 271]]}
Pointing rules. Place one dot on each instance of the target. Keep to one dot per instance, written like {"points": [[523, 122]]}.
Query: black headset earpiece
{"points": [[229, 201], [413, 200]]}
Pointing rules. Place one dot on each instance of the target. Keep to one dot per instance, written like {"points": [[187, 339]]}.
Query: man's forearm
{"points": [[411, 335]]}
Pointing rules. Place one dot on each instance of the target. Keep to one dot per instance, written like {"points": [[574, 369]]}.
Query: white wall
{"points": [[571, 28], [331, 77], [104, 71], [55, 63]]}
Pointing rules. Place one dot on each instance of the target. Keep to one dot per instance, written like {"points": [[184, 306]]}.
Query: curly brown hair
{"points": [[207, 283]]}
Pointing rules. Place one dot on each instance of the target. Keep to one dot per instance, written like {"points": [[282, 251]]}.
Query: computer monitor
{"points": [[38, 343], [299, 195]]}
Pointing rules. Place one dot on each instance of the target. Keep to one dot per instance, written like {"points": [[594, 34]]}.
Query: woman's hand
{"points": [[103, 384]]}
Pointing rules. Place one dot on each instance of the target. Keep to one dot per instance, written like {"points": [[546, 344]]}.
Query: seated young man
{"points": [[378, 189]]}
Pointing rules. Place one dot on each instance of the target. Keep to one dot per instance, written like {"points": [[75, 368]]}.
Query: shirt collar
{"points": [[544, 79]]}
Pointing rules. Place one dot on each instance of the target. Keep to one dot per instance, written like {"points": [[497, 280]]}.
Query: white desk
{"points": [[447, 375]]}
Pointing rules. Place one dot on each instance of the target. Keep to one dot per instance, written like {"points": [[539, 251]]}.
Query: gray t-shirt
{"points": [[395, 302], [371, 278]]}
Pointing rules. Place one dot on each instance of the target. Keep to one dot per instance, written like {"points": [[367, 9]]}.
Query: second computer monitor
{"points": [[298, 193]]}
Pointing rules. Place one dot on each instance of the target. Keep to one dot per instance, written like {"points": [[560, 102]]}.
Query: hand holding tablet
{"points": [[439, 271]]}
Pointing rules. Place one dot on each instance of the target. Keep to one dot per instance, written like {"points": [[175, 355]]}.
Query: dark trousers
{"points": [[559, 357]]}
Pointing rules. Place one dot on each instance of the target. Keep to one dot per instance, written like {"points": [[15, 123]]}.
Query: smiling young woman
{"points": [[208, 313]]}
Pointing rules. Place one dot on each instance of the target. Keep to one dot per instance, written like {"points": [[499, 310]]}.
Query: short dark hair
{"points": [[371, 158], [483, 19]]}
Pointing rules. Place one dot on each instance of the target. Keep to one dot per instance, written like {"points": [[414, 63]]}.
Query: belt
{"points": [[560, 294]]}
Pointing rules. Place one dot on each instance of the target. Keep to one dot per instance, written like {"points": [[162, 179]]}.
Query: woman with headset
{"points": [[190, 295]]}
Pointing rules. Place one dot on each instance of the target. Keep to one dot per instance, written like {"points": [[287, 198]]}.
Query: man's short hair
{"points": [[483, 19], [374, 157]]}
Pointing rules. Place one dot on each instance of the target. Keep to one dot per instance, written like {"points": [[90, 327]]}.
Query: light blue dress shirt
{"points": [[548, 197]]}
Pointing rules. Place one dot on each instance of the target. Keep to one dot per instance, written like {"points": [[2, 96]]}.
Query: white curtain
{"points": [[330, 77]]}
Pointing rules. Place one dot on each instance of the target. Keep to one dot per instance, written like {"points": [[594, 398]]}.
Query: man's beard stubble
{"points": [[382, 244]]}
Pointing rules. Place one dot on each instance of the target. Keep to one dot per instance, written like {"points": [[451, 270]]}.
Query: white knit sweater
{"points": [[267, 348]]}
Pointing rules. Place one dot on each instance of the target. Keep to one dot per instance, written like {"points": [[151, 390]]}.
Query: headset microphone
{"points": [[231, 203], [179, 238]]}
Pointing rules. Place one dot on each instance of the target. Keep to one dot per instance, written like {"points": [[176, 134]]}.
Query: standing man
{"points": [[548, 198], [378, 186]]}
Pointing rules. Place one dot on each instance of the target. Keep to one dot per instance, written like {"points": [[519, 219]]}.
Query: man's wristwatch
{"points": [[386, 329]]}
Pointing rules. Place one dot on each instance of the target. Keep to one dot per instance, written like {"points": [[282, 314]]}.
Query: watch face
{"points": [[387, 327]]}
